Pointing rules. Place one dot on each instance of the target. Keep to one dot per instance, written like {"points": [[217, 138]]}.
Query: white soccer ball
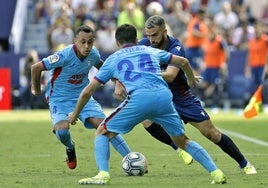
{"points": [[154, 8], [134, 164]]}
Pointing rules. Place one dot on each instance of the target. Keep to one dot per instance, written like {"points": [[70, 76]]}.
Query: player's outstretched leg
{"points": [[65, 138], [102, 155], [160, 134], [120, 145], [201, 156], [229, 147]]}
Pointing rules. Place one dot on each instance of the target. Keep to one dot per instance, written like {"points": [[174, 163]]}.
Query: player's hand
{"points": [[72, 118], [198, 78], [35, 92], [119, 92]]}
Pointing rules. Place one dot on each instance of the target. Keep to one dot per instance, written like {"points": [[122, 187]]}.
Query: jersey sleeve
{"points": [[164, 56], [105, 72], [53, 61]]}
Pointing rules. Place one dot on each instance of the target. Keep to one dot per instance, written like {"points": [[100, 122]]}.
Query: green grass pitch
{"points": [[32, 157]]}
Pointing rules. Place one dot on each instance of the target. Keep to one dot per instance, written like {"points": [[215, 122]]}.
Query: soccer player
{"points": [[69, 70], [186, 104], [137, 67]]}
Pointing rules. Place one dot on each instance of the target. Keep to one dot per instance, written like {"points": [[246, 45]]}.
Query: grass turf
{"points": [[32, 157]]}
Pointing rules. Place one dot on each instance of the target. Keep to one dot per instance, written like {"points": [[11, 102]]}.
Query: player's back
{"points": [[137, 67]]}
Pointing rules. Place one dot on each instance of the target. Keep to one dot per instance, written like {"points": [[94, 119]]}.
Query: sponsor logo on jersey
{"points": [[54, 58]]}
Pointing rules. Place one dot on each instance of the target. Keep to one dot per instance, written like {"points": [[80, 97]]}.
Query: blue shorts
{"points": [[156, 106], [257, 73], [59, 111], [211, 75], [190, 109]]}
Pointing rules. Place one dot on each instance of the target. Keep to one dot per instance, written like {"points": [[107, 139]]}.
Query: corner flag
{"points": [[255, 103]]}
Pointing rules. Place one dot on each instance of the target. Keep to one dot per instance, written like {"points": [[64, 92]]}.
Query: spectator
{"points": [[195, 36], [255, 9], [241, 35], [257, 56], [106, 15], [62, 34], [132, 15], [214, 7], [81, 14], [53, 9], [26, 99], [215, 57], [226, 20], [176, 18]]}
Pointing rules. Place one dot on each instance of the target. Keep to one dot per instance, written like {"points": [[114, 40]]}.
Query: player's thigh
{"points": [[125, 117], [92, 114], [59, 111], [170, 121]]}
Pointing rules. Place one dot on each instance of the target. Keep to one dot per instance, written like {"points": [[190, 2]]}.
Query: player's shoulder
{"points": [[175, 46], [144, 41], [94, 49]]}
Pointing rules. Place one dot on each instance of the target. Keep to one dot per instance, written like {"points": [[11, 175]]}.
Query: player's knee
{"points": [[101, 130], [61, 125], [63, 135], [146, 123]]}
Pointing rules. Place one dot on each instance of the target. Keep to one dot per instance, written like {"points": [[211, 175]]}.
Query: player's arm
{"points": [[184, 64], [170, 73], [83, 99], [119, 91], [36, 71], [98, 66]]}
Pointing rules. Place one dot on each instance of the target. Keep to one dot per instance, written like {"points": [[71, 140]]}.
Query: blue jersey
{"points": [[187, 105], [179, 87], [138, 69], [68, 73], [68, 77], [129, 69]]}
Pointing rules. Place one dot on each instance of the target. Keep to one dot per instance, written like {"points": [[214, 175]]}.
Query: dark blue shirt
{"points": [[179, 87]]}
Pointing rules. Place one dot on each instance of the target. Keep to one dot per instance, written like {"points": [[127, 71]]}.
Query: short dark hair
{"points": [[155, 21], [126, 33], [83, 28]]}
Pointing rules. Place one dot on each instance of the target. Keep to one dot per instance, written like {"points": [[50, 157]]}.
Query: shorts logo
{"points": [[54, 58]]}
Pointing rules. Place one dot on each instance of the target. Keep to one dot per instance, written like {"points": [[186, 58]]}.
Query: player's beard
{"points": [[158, 44]]}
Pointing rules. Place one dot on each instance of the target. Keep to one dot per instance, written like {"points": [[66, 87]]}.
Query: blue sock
{"points": [[120, 145], [201, 156], [102, 152], [65, 137]]}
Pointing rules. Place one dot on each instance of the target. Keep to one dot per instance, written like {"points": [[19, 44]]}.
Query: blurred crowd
{"points": [[233, 24]]}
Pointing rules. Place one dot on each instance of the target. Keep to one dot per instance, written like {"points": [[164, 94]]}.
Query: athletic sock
{"points": [[120, 145], [160, 134], [228, 146], [102, 152], [64, 137], [200, 155]]}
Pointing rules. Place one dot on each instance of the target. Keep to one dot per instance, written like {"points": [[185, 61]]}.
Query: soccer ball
{"points": [[134, 164]]}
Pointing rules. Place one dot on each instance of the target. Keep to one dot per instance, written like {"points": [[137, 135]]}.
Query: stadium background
{"points": [[20, 32]]}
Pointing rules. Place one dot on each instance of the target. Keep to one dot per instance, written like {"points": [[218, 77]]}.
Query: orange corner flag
{"points": [[254, 105]]}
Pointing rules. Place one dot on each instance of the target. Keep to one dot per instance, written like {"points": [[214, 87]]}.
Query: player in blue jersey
{"points": [[69, 69], [186, 104], [137, 67]]}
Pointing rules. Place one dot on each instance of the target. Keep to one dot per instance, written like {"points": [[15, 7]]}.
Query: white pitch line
{"points": [[246, 138]]}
